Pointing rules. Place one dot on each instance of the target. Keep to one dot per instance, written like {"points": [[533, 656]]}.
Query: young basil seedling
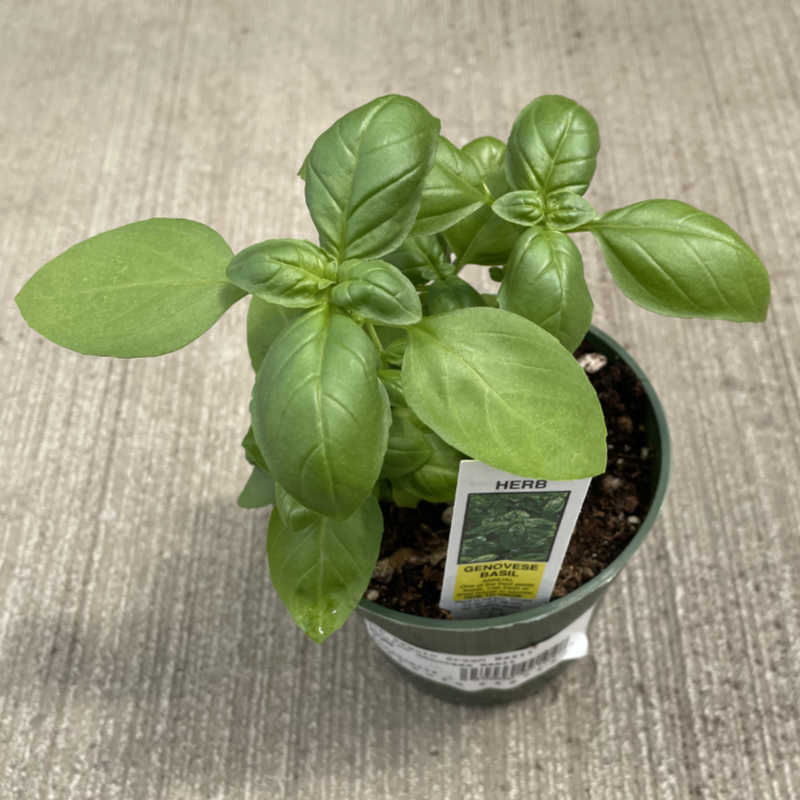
{"points": [[377, 367]]}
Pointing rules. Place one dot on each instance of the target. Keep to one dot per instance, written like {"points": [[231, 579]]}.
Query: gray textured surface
{"points": [[143, 653]]}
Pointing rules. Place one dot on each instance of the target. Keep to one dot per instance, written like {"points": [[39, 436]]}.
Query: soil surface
{"points": [[408, 576]]}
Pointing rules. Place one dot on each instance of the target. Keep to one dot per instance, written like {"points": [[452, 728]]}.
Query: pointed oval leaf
{"points": [[408, 447], [290, 272], [524, 207], [421, 259], [259, 491], [404, 499], [436, 479], [501, 389], [301, 173], [264, 322], [489, 155], [452, 190], [392, 382], [321, 570], [450, 293], [544, 282], [364, 176], [482, 238], [293, 513], [566, 210], [393, 353], [378, 292], [320, 415], [673, 259], [140, 290], [553, 145], [252, 452]]}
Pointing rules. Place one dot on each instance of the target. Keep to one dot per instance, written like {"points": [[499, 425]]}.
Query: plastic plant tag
{"points": [[507, 540], [491, 671]]}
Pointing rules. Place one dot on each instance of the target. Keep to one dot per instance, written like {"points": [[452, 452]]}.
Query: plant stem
{"points": [[374, 336]]}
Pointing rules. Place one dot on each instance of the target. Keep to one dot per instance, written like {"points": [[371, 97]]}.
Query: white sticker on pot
{"points": [[494, 671], [507, 540]]}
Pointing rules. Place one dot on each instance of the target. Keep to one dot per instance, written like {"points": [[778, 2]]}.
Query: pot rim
{"points": [[606, 575]]}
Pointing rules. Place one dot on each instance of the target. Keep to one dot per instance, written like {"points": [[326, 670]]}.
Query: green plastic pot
{"points": [[526, 628]]}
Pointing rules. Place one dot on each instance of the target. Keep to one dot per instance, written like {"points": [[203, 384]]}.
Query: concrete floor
{"points": [[143, 652]]}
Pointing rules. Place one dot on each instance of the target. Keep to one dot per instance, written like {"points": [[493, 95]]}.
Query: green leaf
{"points": [[482, 238], [553, 145], [301, 173], [390, 378], [489, 154], [290, 272], [364, 176], [140, 290], [251, 451], [393, 353], [293, 513], [673, 259], [434, 481], [421, 259], [452, 190], [264, 322], [544, 282], [522, 208], [321, 570], [404, 499], [449, 294], [320, 415], [499, 388], [387, 335], [408, 447], [378, 292], [566, 210], [259, 491], [562, 210]]}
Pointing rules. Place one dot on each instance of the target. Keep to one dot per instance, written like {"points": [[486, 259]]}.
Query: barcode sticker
{"points": [[494, 671], [535, 664]]}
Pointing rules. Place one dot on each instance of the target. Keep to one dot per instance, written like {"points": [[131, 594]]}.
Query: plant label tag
{"points": [[492, 671], [507, 540]]}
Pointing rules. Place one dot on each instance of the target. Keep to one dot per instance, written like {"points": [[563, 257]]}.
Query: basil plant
{"points": [[377, 368]]}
